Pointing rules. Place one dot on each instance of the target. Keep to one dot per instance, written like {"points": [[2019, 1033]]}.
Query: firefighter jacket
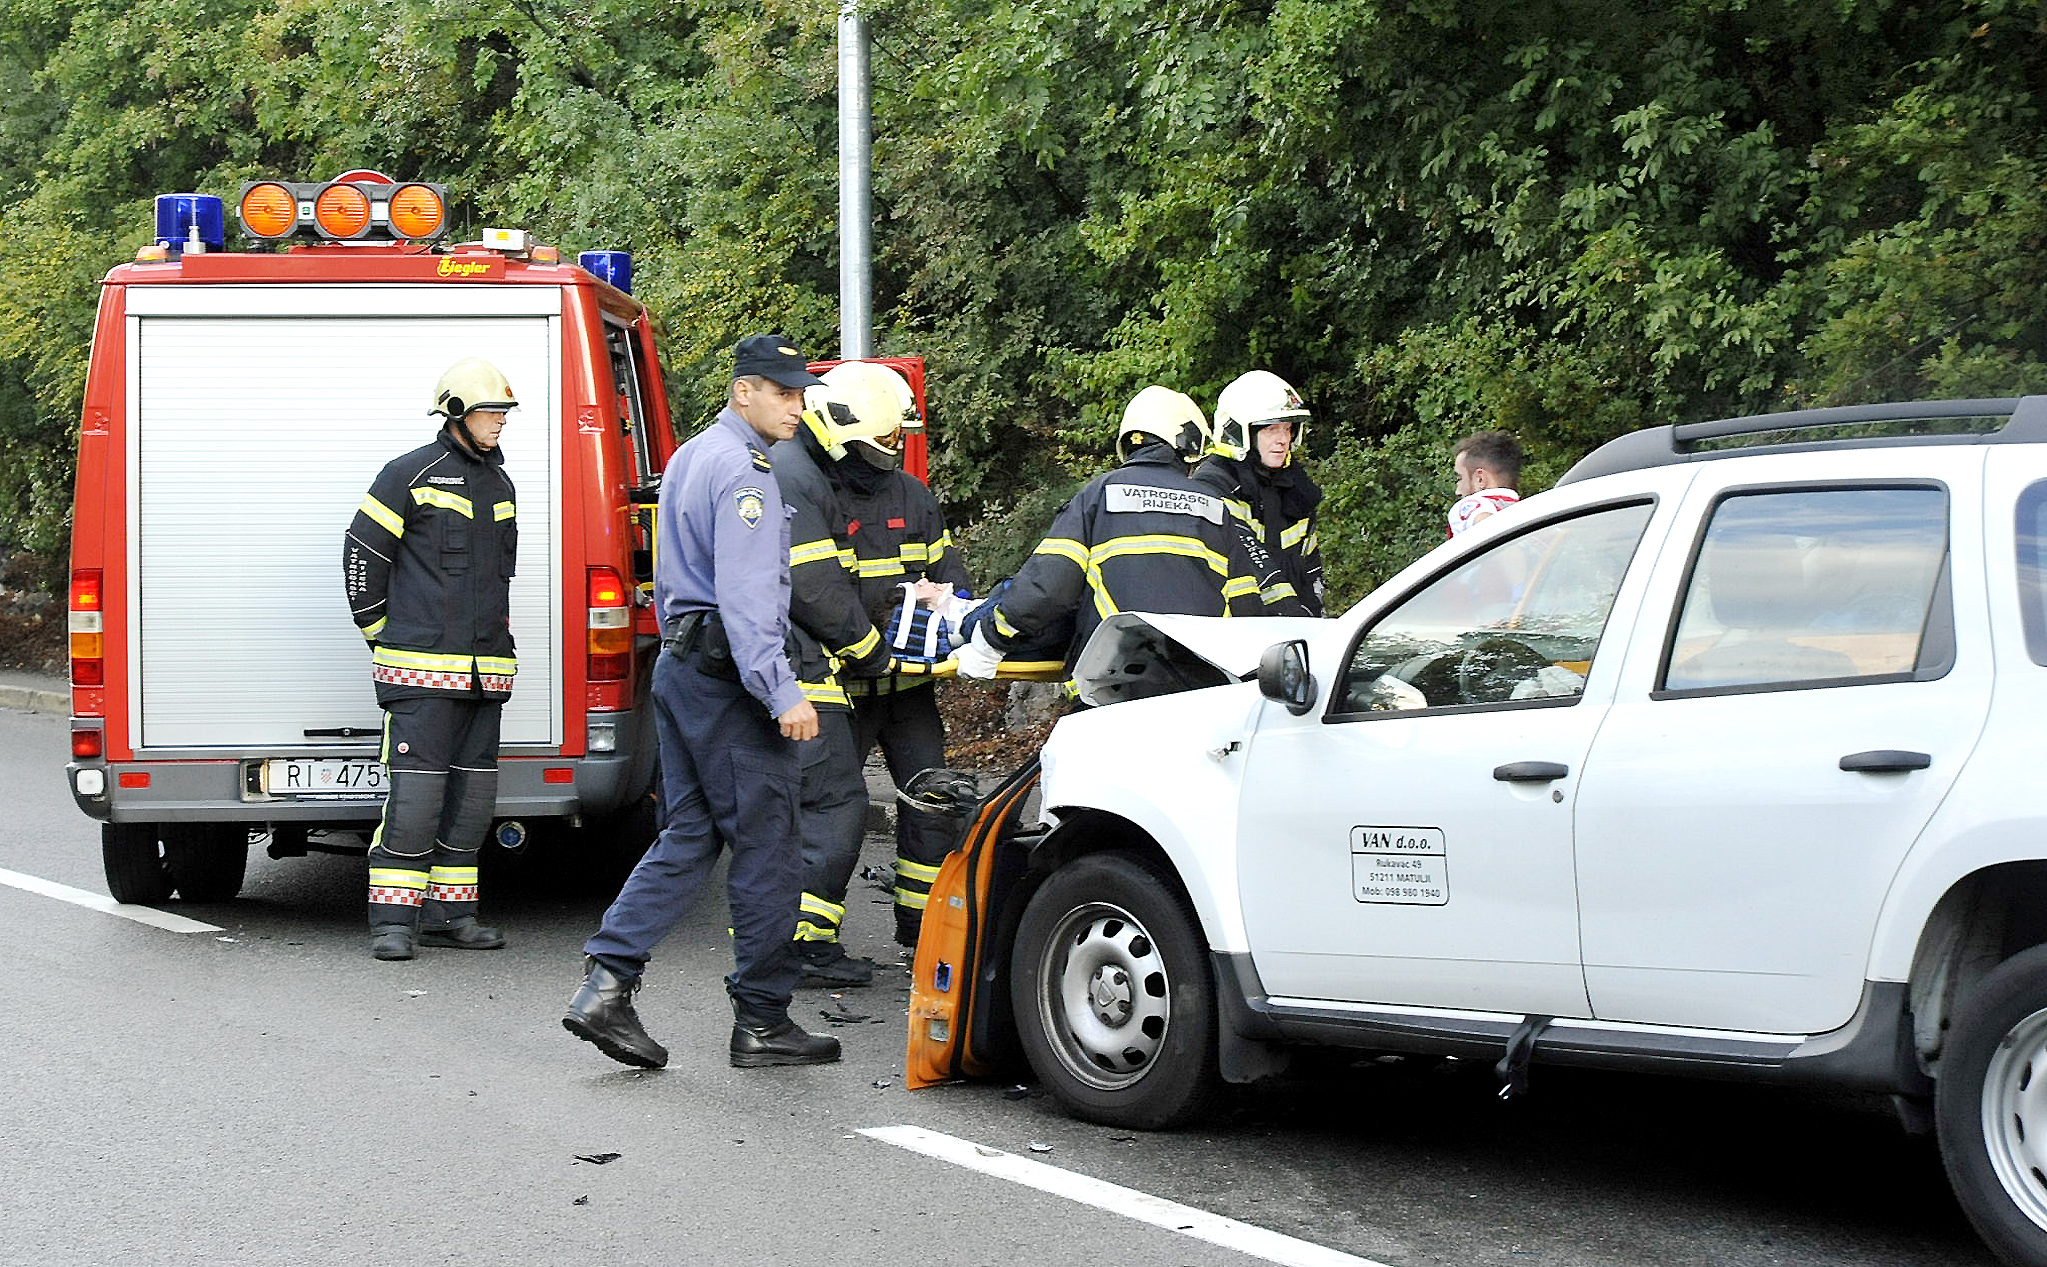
{"points": [[1274, 515], [1143, 537], [428, 564], [898, 534], [829, 624]]}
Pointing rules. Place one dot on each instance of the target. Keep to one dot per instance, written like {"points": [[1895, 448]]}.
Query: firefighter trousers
{"points": [[442, 757], [912, 737], [834, 808], [728, 780]]}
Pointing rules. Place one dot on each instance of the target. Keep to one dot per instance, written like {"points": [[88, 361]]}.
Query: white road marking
{"points": [[101, 902], [1128, 1202]]}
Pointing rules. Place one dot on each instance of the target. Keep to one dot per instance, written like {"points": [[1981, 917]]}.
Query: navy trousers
{"points": [[729, 780]]}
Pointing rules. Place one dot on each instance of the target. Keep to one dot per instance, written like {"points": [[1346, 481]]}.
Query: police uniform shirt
{"points": [[724, 546]]}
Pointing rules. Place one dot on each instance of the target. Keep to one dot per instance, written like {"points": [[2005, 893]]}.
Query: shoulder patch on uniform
{"points": [[760, 460], [752, 504]]}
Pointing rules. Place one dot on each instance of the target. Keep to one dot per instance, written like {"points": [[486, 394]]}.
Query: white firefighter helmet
{"points": [[1249, 402], [1163, 414], [472, 383], [875, 408]]}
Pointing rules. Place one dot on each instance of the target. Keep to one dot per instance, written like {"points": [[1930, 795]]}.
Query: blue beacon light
{"points": [[191, 222], [615, 267]]}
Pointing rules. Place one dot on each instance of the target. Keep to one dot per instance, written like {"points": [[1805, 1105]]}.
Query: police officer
{"points": [[732, 722], [835, 643], [427, 563], [1143, 537], [1254, 465], [899, 539]]}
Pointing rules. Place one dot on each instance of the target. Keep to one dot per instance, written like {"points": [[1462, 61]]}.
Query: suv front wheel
{"points": [[1990, 1105], [1112, 994]]}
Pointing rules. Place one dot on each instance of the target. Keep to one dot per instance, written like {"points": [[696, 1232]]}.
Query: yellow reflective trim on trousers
{"points": [[906, 869], [912, 899], [395, 878], [1065, 548], [825, 693], [813, 552], [390, 520], [864, 647], [807, 931], [430, 496], [454, 875], [431, 661], [812, 904], [501, 512]]}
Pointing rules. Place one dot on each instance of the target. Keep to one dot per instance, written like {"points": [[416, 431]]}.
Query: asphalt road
{"points": [[267, 1093]]}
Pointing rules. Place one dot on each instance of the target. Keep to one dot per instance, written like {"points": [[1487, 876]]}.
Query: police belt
{"points": [[701, 633]]}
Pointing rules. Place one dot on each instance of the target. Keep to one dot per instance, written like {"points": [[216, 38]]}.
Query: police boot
{"points": [[391, 941], [465, 933], [827, 966], [602, 1013], [759, 1040]]}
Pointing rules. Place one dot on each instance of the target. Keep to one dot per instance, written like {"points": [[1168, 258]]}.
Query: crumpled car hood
{"points": [[1135, 655]]}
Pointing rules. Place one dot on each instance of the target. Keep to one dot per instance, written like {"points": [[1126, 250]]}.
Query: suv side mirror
{"points": [[1283, 675]]}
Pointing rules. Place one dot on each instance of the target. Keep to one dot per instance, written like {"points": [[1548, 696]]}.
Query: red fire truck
{"points": [[237, 405]]}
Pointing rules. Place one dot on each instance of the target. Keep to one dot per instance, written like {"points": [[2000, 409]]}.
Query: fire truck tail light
{"points": [[417, 212], [86, 744], [269, 210], [611, 627], [341, 211], [87, 628]]}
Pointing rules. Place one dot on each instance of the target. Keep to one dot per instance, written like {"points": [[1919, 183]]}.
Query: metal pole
{"points": [[856, 148]]}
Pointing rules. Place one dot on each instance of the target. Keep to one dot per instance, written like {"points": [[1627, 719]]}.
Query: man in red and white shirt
{"points": [[1488, 466]]}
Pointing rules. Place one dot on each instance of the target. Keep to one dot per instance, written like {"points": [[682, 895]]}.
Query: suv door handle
{"points": [[1530, 771], [1885, 761]]}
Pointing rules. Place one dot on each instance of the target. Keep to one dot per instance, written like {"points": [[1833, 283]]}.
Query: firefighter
{"points": [[733, 722], [837, 642], [899, 539], [1143, 537], [1254, 465], [428, 566]]}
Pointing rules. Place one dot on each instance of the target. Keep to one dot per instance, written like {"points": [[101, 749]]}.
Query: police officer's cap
{"points": [[772, 356]]}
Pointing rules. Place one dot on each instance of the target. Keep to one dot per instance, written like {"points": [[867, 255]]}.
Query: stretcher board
{"points": [[1019, 671]]}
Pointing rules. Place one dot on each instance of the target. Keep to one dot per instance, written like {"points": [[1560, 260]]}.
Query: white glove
{"points": [[977, 659]]}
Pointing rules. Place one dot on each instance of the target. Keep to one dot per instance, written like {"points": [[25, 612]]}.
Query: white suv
{"points": [[1717, 760]]}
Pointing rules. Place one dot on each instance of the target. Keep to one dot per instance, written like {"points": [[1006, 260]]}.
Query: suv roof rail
{"points": [[2026, 421]]}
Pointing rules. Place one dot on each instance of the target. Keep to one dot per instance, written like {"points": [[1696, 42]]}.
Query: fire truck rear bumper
{"points": [[230, 791]]}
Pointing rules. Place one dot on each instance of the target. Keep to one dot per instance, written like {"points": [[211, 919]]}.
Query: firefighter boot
{"points": [[827, 966], [391, 941], [395, 894], [760, 1039], [909, 922], [602, 1013], [465, 933]]}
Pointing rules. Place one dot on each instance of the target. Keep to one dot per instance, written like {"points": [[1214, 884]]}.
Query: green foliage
{"points": [[1566, 219]]}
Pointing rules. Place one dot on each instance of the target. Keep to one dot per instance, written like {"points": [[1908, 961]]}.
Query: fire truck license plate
{"points": [[307, 777]]}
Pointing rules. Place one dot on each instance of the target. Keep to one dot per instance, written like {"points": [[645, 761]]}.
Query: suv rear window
{"points": [[2032, 534], [1814, 586]]}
